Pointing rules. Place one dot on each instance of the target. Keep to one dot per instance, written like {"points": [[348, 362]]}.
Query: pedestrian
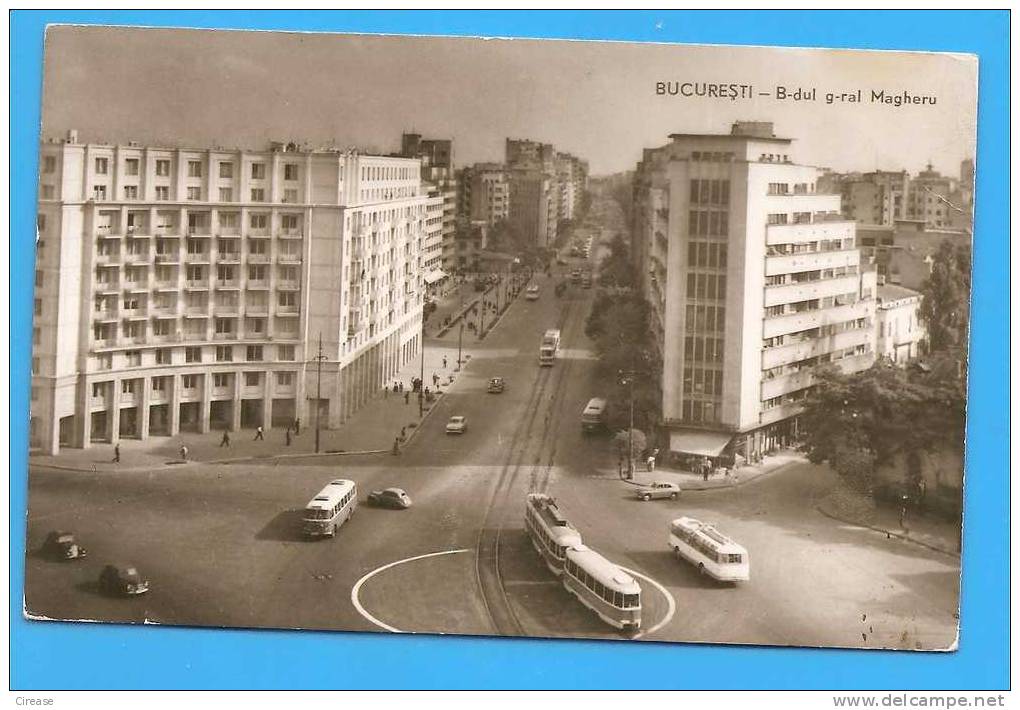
{"points": [[297, 427], [903, 513], [286, 436], [225, 441], [116, 453], [386, 392], [184, 452], [396, 447], [444, 363], [704, 470], [407, 397], [403, 433], [258, 434], [651, 462]]}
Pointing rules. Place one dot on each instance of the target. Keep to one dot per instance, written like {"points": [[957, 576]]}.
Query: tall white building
{"points": [[754, 278], [181, 289]]}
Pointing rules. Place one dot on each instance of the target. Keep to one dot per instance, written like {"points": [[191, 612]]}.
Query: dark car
{"points": [[122, 580], [390, 498], [63, 546], [496, 385]]}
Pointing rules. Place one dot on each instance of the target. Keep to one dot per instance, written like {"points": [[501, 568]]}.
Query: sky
{"points": [[597, 100]]}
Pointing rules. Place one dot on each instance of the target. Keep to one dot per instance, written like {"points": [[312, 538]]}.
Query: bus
{"points": [[594, 414], [713, 553], [332, 507], [549, 531], [531, 293], [547, 351], [603, 587]]}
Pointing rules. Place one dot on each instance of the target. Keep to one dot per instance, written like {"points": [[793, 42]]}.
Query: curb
{"points": [[723, 486], [902, 536]]}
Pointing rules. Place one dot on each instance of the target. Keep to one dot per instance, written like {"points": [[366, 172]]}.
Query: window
{"points": [[161, 327], [285, 353], [189, 382], [289, 222], [224, 353], [163, 168], [47, 192], [194, 168], [258, 171], [102, 166], [162, 192], [127, 386], [258, 194], [35, 366], [290, 196], [287, 298], [162, 356], [50, 164], [38, 307], [290, 171], [256, 272], [131, 192], [258, 246], [226, 170], [99, 192], [221, 379], [131, 166], [194, 193], [284, 379], [251, 379], [253, 353], [192, 354], [226, 195], [258, 221], [158, 384], [224, 326]]}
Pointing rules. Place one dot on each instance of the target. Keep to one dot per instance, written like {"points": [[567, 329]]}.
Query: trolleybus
{"points": [[603, 587], [709, 550], [332, 507], [549, 531]]}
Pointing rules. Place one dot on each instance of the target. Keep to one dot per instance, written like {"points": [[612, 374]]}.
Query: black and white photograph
{"points": [[501, 337]]}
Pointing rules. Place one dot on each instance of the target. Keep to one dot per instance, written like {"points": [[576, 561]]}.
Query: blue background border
{"points": [[94, 656]]}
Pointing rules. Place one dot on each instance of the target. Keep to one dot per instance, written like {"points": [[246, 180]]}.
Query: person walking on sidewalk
{"points": [[184, 452], [407, 397], [116, 453], [651, 462], [258, 434], [297, 427], [396, 447], [225, 441], [286, 436], [403, 433], [444, 363]]}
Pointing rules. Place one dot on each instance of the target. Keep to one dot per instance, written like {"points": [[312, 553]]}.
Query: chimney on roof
{"points": [[755, 129]]}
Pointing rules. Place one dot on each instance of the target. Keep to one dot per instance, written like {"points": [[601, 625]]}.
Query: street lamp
{"points": [[460, 344], [318, 391], [421, 376], [628, 379]]}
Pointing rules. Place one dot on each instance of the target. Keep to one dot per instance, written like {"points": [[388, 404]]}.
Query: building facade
{"points": [[754, 279], [534, 190], [189, 290], [440, 178], [900, 331]]}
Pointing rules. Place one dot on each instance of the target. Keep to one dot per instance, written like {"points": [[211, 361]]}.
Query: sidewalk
{"points": [[372, 429], [689, 481], [934, 534]]}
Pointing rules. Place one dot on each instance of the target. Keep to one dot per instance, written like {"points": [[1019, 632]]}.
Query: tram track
{"points": [[522, 451]]}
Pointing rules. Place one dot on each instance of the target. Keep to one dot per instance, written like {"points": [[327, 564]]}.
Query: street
{"points": [[221, 544]]}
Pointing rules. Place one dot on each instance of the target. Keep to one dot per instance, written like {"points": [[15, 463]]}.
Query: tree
{"points": [[636, 437], [945, 308], [616, 269]]}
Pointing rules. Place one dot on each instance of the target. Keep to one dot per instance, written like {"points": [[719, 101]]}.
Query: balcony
{"points": [[228, 257], [799, 233], [790, 382], [170, 257], [105, 315], [289, 258], [256, 309], [136, 257], [228, 284], [290, 234], [783, 411], [257, 284], [193, 336], [108, 259], [807, 320], [258, 258], [810, 261], [288, 286], [201, 257], [813, 347], [290, 311], [808, 290], [108, 287], [226, 309], [227, 335], [201, 285]]}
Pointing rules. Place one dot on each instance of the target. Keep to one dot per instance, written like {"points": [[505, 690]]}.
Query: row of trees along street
{"points": [[895, 433], [628, 363]]}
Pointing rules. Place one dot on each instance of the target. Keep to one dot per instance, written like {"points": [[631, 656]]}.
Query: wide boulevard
{"points": [[221, 544]]}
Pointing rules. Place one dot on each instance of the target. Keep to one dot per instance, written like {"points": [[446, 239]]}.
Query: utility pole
{"points": [[421, 376], [318, 391], [460, 344]]}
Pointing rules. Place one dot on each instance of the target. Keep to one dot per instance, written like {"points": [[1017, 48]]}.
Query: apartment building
{"points": [[900, 331], [905, 252], [533, 189], [754, 278], [486, 195], [189, 289], [440, 178]]}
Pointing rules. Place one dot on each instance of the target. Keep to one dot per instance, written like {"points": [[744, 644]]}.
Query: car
{"points": [[658, 489], [496, 385], [62, 546], [561, 261], [456, 425], [390, 498], [122, 580], [575, 276]]}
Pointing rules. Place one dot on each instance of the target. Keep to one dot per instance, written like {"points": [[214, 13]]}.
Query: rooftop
{"points": [[892, 292]]}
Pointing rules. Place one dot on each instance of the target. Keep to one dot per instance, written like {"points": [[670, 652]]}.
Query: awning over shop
{"points": [[434, 276], [698, 443]]}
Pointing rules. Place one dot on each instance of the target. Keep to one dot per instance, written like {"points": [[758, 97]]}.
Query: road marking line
{"points": [[357, 586], [665, 592]]}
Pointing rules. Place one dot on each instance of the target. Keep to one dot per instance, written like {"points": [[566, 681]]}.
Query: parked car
{"points": [[658, 489], [390, 498], [62, 545], [496, 385], [456, 425], [122, 580]]}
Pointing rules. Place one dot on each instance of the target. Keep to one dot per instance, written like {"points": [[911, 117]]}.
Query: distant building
{"points": [[534, 190], [188, 289], [438, 174], [754, 279], [933, 200], [903, 253], [900, 332], [486, 196]]}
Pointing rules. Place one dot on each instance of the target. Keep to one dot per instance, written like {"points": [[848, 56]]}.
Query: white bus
{"points": [[332, 507], [603, 587], [709, 550], [550, 344], [532, 292], [549, 531], [594, 415]]}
